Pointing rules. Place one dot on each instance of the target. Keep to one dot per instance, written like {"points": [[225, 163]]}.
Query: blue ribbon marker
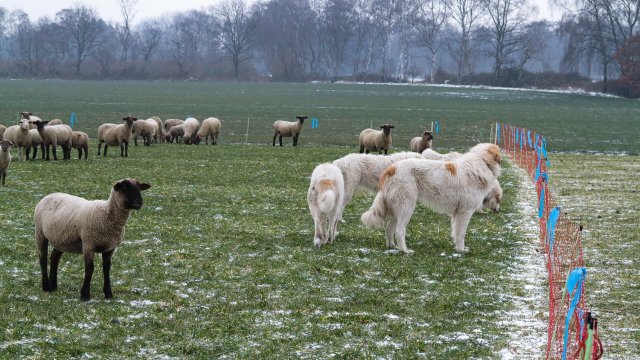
{"points": [[437, 127], [538, 170], [541, 204], [497, 132], [73, 119], [529, 137], [314, 122], [551, 227], [576, 278]]}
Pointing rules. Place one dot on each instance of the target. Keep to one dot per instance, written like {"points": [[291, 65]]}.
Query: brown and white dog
{"points": [[325, 196], [455, 188]]}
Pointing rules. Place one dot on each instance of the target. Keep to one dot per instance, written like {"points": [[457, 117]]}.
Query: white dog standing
{"points": [[455, 188], [325, 196]]}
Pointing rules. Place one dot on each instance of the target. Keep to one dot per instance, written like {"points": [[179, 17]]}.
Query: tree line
{"points": [[491, 42]]}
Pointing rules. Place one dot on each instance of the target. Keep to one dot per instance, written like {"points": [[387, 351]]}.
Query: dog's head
{"points": [[493, 198]]}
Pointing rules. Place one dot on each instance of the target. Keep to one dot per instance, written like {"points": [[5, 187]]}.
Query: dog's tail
{"points": [[326, 195], [376, 216]]}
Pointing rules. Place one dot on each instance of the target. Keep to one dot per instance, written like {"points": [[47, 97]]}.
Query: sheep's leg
{"points": [[361, 149], [48, 148], [106, 268], [135, 140], [295, 140], [105, 150], [43, 246], [85, 293], [280, 138], [3, 174], [99, 146], [53, 274], [86, 151], [55, 151], [274, 138]]}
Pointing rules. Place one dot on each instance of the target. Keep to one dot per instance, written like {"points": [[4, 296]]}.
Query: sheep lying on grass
{"points": [[191, 127], [20, 137], [288, 129], [324, 198], [80, 141], [375, 140], [113, 134], [210, 128], [420, 143], [36, 140], [76, 225], [5, 158], [55, 135], [362, 171]]}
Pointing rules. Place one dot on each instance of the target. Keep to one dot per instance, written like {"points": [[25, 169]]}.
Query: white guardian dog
{"points": [[325, 196], [455, 188]]}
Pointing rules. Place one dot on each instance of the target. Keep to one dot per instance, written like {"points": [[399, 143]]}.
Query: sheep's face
{"points": [[386, 128], [24, 124], [129, 120], [130, 192], [301, 119], [427, 136], [25, 115], [5, 145]]}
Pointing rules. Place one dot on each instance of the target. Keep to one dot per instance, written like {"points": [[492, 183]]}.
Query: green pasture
{"points": [[219, 262]]}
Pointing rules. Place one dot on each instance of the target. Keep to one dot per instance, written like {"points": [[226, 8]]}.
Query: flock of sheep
{"points": [[72, 224]]}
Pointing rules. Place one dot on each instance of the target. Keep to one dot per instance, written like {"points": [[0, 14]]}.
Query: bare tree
{"points": [[237, 30], [338, 27], [150, 35], [388, 14], [125, 35], [82, 26], [24, 39], [508, 20], [464, 15], [186, 34], [366, 39], [429, 23]]}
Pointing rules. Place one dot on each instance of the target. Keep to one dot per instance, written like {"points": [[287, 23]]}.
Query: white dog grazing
{"points": [[363, 171], [455, 188], [324, 197]]}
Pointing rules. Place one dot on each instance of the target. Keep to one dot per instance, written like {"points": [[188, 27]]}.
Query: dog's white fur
{"points": [[325, 196], [363, 171], [494, 197], [455, 188]]}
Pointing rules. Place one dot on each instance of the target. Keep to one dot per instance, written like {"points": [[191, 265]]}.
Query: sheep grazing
{"points": [[361, 171], [375, 140], [145, 128], [324, 198], [36, 140], [55, 135], [169, 123], [191, 127], [80, 141], [210, 128], [113, 134], [159, 137], [76, 225], [20, 137], [175, 134], [420, 143], [283, 128], [2, 130], [5, 158]]}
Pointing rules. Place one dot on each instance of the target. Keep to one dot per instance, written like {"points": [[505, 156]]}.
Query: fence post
{"points": [[246, 135]]}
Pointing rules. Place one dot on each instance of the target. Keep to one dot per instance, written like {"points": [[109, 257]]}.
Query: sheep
{"points": [[80, 141], [20, 137], [55, 135], [287, 129], [5, 158], [159, 137], [169, 123], [362, 171], [36, 140], [324, 199], [113, 134], [191, 127], [2, 130], [375, 140], [76, 225], [175, 133], [210, 128], [53, 122], [420, 143], [145, 128]]}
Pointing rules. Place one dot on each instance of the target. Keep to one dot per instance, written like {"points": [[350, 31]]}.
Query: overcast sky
{"points": [[109, 10]]}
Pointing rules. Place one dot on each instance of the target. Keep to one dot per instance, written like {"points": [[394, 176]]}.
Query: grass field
{"points": [[219, 262]]}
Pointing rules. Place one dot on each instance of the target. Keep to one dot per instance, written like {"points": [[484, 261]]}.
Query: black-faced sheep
{"points": [[20, 137], [55, 135], [5, 158], [283, 128], [76, 225], [421, 143], [191, 127], [375, 140], [113, 134], [210, 128], [80, 141]]}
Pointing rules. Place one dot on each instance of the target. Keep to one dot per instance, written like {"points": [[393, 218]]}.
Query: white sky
{"points": [[145, 9]]}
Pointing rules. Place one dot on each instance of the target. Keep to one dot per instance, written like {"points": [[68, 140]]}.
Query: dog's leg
{"points": [[318, 237], [389, 231], [462, 221], [403, 216]]}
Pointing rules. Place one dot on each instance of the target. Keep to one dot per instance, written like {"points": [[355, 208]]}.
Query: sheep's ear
{"points": [[124, 118], [144, 186], [117, 186]]}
